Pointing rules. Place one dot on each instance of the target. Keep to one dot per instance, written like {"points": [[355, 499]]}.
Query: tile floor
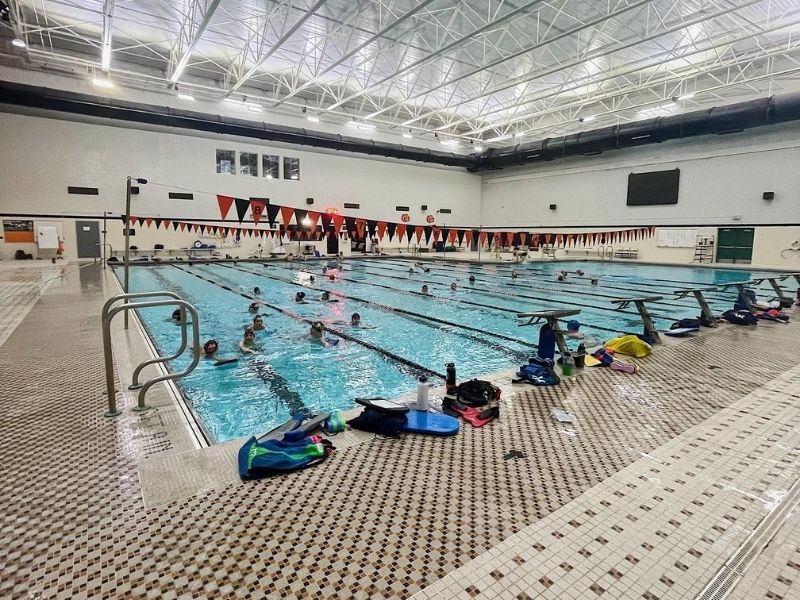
{"points": [[660, 480]]}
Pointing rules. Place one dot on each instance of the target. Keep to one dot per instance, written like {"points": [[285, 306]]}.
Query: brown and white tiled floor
{"points": [[658, 483]]}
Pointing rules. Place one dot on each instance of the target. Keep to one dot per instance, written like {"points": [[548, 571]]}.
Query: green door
{"points": [[735, 245]]}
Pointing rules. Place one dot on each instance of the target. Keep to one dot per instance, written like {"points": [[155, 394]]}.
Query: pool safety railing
{"points": [[647, 320], [605, 252], [707, 316], [551, 317], [108, 313]]}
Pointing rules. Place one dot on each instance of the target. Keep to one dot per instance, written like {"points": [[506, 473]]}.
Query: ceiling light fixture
{"points": [[102, 82], [19, 43], [251, 106], [685, 97], [187, 97], [478, 148], [588, 119], [407, 134], [366, 126], [312, 118]]}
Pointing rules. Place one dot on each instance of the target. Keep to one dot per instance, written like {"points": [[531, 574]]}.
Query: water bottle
{"points": [[422, 393], [450, 382], [580, 357], [566, 365]]}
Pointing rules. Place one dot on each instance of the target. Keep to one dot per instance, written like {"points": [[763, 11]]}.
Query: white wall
{"points": [[50, 154], [722, 177]]}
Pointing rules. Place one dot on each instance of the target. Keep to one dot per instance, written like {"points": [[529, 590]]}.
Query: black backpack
{"points": [[477, 393]]}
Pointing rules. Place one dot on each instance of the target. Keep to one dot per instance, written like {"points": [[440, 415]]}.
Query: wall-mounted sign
{"points": [[18, 231], [405, 217], [332, 210], [430, 218]]}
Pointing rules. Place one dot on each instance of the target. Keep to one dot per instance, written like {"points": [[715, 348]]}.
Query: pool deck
{"points": [[653, 492]]}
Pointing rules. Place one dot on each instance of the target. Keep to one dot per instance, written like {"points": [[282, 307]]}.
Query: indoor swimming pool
{"points": [[403, 333]]}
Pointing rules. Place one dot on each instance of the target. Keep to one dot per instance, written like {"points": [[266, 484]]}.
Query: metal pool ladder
{"points": [[108, 314]]}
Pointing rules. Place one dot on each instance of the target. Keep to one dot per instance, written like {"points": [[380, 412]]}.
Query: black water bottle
{"points": [[580, 356], [450, 383]]}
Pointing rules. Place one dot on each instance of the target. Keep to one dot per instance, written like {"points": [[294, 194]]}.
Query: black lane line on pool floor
{"points": [[614, 278], [524, 269], [276, 383], [414, 316], [485, 291], [513, 311], [678, 303], [417, 369]]}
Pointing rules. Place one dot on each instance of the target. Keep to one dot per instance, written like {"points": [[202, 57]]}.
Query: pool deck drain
{"points": [[657, 483]]}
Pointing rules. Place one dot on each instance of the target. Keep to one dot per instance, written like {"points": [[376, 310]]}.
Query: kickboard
{"points": [[681, 331], [426, 423], [591, 361]]}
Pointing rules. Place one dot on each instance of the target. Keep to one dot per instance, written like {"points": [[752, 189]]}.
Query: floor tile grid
{"points": [[222, 538], [733, 505]]}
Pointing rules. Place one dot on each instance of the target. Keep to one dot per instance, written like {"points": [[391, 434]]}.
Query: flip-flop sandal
{"points": [[623, 367], [470, 413]]}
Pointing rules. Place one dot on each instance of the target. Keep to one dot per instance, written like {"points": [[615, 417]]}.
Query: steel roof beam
{"points": [[193, 26]]}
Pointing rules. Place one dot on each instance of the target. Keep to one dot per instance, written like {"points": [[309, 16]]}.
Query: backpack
{"points": [[275, 457], [739, 317], [538, 371], [380, 416], [686, 324], [477, 393]]}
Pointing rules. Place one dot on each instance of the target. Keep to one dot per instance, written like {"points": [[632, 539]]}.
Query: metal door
{"points": [[88, 234]]}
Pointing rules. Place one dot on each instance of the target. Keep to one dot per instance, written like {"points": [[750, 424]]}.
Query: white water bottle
{"points": [[422, 393]]}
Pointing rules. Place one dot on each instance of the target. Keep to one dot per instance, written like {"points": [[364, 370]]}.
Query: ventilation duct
{"points": [[718, 120], [112, 108]]}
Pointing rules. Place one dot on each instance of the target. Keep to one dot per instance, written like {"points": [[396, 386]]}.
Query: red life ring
{"points": [[405, 218], [430, 218]]}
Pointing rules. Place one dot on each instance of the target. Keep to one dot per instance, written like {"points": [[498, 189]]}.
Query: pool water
{"points": [[403, 334]]}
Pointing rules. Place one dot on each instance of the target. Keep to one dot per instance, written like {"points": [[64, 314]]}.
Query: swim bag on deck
{"points": [[477, 393], [739, 317], [686, 324], [538, 371], [630, 345], [274, 457]]}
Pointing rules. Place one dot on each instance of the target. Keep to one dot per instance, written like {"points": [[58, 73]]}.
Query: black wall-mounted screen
{"points": [[86, 191], [180, 196], [655, 187]]}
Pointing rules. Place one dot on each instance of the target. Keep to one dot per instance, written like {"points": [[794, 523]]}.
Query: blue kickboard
{"points": [[682, 331], [425, 423]]}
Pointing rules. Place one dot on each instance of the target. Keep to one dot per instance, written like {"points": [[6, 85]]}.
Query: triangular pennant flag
{"points": [[391, 228], [468, 237], [167, 223], [175, 225], [536, 238], [257, 208], [419, 230], [548, 237], [215, 230], [350, 225], [300, 217], [474, 236], [183, 226], [401, 231], [286, 214], [361, 228], [437, 232], [509, 238], [428, 231], [272, 213], [241, 208], [371, 226], [327, 221], [132, 220], [451, 237], [158, 223], [569, 239], [196, 227], [149, 221], [381, 229], [460, 235], [225, 203], [523, 238], [313, 216], [482, 237], [445, 233], [410, 232], [338, 221]]}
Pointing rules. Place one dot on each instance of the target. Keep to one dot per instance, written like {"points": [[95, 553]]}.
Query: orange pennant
{"points": [[381, 229], [287, 212], [419, 231], [225, 203]]}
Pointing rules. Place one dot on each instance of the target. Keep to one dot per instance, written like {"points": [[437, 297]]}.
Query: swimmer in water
{"points": [[326, 297], [355, 320], [514, 274], [176, 316], [248, 344], [300, 298], [258, 323], [579, 273], [595, 281], [253, 308], [560, 277], [256, 291], [453, 286], [472, 278], [210, 349], [425, 289]]}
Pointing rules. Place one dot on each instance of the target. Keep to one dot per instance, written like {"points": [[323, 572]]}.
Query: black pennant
{"points": [[241, 208], [327, 221], [428, 232], [158, 223], [175, 225], [272, 213], [300, 215], [410, 230], [391, 228], [445, 233], [371, 225], [460, 235], [350, 223]]}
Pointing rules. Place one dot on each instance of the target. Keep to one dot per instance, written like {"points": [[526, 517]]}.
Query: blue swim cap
{"points": [[573, 325]]}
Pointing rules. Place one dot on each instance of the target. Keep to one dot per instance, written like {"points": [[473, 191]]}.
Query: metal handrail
{"points": [[601, 252], [610, 252], [135, 385], [107, 316]]}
